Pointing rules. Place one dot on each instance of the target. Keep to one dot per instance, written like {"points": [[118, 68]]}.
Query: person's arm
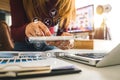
{"points": [[19, 20]]}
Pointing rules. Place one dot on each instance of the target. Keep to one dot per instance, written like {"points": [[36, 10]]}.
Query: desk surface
{"points": [[88, 73]]}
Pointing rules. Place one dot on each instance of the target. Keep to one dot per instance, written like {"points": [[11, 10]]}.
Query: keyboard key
{"points": [[34, 59], [0, 60], [17, 60], [29, 59], [11, 61], [23, 60], [4, 61]]}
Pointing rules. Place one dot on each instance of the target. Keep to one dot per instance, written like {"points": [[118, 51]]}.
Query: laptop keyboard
{"points": [[20, 59], [91, 55]]}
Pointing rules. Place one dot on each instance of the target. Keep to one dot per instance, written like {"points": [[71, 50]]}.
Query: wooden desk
{"points": [[95, 44]]}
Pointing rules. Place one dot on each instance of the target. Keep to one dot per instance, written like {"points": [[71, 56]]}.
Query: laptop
{"points": [[97, 59], [17, 64]]}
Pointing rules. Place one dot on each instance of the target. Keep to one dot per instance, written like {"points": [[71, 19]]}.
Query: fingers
{"points": [[44, 28], [29, 31], [39, 32], [62, 44], [65, 45], [37, 29], [66, 34]]}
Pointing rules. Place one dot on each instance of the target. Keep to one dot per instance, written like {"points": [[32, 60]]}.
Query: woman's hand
{"points": [[37, 29], [63, 44]]}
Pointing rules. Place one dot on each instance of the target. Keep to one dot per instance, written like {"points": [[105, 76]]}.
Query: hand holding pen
{"points": [[37, 28]]}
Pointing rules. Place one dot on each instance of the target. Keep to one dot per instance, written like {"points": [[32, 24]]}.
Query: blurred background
{"points": [[108, 19]]}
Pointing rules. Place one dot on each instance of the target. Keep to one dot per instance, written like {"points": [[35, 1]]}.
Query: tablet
{"points": [[49, 38]]}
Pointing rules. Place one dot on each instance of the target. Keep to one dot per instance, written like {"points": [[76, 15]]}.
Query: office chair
{"points": [[6, 43]]}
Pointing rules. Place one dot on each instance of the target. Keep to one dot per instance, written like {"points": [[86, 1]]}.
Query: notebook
{"points": [[95, 58], [19, 64]]}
